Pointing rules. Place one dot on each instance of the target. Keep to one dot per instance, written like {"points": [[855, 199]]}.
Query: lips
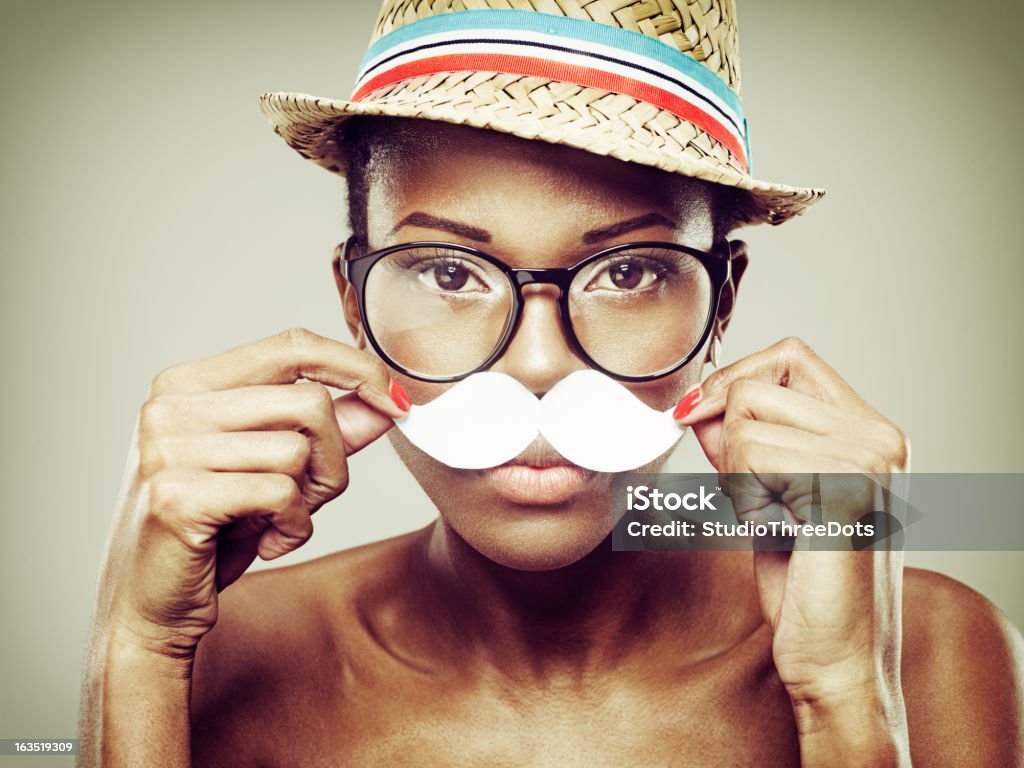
{"points": [[538, 477]]}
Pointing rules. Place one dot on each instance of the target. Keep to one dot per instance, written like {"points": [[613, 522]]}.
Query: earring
{"points": [[716, 351]]}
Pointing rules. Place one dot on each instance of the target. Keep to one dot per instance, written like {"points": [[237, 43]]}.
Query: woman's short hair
{"points": [[374, 146]]}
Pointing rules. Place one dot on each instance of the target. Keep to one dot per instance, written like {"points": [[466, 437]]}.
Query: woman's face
{"points": [[529, 204]]}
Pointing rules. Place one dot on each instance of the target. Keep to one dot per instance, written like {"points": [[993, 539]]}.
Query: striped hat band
{"points": [[562, 49]]}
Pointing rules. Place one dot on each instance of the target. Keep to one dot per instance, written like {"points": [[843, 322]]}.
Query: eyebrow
{"points": [[420, 219], [428, 221], [629, 225]]}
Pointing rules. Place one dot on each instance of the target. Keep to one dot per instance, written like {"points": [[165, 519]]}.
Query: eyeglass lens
{"points": [[443, 312]]}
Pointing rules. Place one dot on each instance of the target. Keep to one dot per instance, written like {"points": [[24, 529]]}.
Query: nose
{"points": [[540, 353]]}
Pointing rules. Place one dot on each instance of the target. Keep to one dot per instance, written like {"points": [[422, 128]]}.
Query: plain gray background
{"points": [[149, 216]]}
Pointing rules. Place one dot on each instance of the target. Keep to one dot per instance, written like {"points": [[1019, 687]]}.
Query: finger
{"points": [[751, 399], [283, 359], [765, 459], [304, 407], [283, 451], [709, 436], [360, 424], [785, 478], [790, 363], [196, 505], [763, 401], [861, 458]]}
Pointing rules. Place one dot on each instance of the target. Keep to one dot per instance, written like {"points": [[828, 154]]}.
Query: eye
{"points": [[630, 274], [451, 276]]}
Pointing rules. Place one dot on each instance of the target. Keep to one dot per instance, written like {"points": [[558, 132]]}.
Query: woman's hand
{"points": [[777, 416], [231, 458]]}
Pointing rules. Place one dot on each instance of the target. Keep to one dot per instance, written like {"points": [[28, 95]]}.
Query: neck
{"points": [[584, 617]]}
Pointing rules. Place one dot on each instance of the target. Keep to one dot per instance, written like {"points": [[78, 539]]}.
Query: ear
{"points": [[729, 291], [349, 303]]}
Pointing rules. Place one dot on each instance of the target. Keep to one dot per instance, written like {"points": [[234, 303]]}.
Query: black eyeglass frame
{"points": [[355, 269]]}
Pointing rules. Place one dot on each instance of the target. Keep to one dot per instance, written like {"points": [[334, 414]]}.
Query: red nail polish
{"points": [[688, 403], [399, 395]]}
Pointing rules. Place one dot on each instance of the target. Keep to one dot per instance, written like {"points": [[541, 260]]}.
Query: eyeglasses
{"points": [[440, 312]]}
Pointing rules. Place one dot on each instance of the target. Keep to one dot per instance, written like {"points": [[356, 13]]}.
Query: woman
{"points": [[508, 632]]}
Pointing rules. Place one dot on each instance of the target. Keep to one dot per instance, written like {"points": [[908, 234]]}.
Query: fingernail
{"points": [[688, 403], [399, 395]]}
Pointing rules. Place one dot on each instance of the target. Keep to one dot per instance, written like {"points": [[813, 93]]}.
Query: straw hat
{"points": [[655, 82]]}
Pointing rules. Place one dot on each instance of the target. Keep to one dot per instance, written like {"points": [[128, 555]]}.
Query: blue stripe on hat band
{"points": [[572, 29]]}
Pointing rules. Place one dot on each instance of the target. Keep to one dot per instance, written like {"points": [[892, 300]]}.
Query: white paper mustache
{"points": [[489, 418]]}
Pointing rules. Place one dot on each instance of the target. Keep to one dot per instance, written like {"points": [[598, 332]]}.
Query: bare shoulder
{"points": [[963, 662], [284, 634]]}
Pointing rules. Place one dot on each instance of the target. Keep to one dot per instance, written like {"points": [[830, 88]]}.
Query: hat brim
{"points": [[595, 121]]}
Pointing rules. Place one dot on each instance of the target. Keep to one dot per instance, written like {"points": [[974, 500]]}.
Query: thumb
{"points": [[709, 435], [360, 424]]}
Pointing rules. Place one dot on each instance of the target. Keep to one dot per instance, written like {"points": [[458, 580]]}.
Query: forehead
{"points": [[486, 175]]}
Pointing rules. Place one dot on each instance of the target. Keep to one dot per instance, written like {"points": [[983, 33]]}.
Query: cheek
{"points": [[665, 392], [420, 391]]}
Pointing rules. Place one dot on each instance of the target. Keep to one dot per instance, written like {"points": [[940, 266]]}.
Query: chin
{"points": [[540, 539]]}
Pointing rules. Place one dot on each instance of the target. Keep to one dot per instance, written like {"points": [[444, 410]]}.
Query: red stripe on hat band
{"points": [[568, 73]]}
